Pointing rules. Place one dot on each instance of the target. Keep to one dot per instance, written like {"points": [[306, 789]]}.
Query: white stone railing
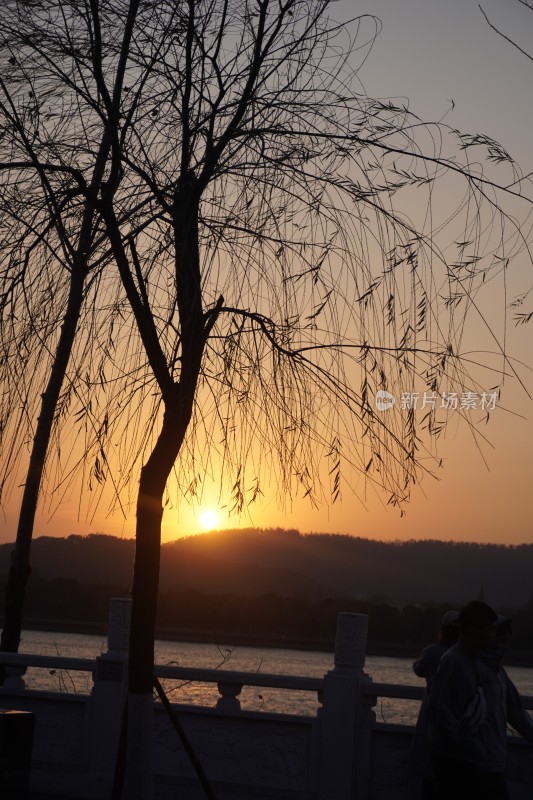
{"points": [[398, 691], [390, 776], [17, 663], [321, 747], [230, 683], [341, 753]]}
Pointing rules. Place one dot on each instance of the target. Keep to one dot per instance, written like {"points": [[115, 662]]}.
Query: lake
{"points": [[382, 669]]}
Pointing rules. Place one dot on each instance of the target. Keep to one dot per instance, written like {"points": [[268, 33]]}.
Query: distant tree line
{"points": [[314, 566], [270, 619]]}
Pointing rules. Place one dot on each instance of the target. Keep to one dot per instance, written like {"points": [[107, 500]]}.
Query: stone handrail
{"points": [[201, 675], [298, 682], [408, 692], [55, 662], [229, 682]]}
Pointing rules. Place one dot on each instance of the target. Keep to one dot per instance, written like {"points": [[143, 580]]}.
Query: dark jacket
{"points": [[468, 707]]}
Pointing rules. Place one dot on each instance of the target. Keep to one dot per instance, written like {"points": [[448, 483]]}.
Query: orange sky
{"points": [[482, 497], [471, 501]]}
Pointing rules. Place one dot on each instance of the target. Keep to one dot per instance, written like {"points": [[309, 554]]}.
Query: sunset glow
{"points": [[478, 490], [208, 519]]}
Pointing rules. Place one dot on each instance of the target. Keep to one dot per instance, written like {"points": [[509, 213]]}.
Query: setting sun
{"points": [[208, 519]]}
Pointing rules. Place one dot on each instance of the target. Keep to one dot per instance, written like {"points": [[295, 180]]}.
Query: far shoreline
{"points": [[515, 658]]}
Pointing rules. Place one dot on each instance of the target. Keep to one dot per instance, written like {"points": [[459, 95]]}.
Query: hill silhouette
{"points": [[314, 567]]}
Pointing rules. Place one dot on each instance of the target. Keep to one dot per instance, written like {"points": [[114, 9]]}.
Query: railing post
{"points": [[346, 716], [108, 695]]}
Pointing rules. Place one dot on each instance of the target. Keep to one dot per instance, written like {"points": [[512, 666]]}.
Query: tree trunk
{"points": [[19, 570], [138, 784]]}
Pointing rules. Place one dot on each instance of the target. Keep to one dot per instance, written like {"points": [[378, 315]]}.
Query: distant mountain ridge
{"points": [[255, 562]]}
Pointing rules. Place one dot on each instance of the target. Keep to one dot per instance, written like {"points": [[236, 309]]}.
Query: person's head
{"points": [[477, 625], [503, 629], [495, 651], [449, 628]]}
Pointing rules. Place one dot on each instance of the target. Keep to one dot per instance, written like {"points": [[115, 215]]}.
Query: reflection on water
{"points": [[242, 659]]}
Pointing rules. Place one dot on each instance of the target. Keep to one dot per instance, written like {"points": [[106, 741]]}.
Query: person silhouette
{"points": [[469, 704], [427, 664], [426, 667]]}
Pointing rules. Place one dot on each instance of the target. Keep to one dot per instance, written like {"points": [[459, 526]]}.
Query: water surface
{"points": [[382, 669]]}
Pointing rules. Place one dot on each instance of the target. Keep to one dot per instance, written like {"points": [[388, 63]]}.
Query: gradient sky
{"points": [[432, 53]]}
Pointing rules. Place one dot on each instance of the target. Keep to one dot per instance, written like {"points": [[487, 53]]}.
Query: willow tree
{"points": [[282, 284], [285, 252], [54, 162]]}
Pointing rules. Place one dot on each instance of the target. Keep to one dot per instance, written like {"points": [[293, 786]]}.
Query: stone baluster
{"points": [[14, 680], [228, 701]]}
